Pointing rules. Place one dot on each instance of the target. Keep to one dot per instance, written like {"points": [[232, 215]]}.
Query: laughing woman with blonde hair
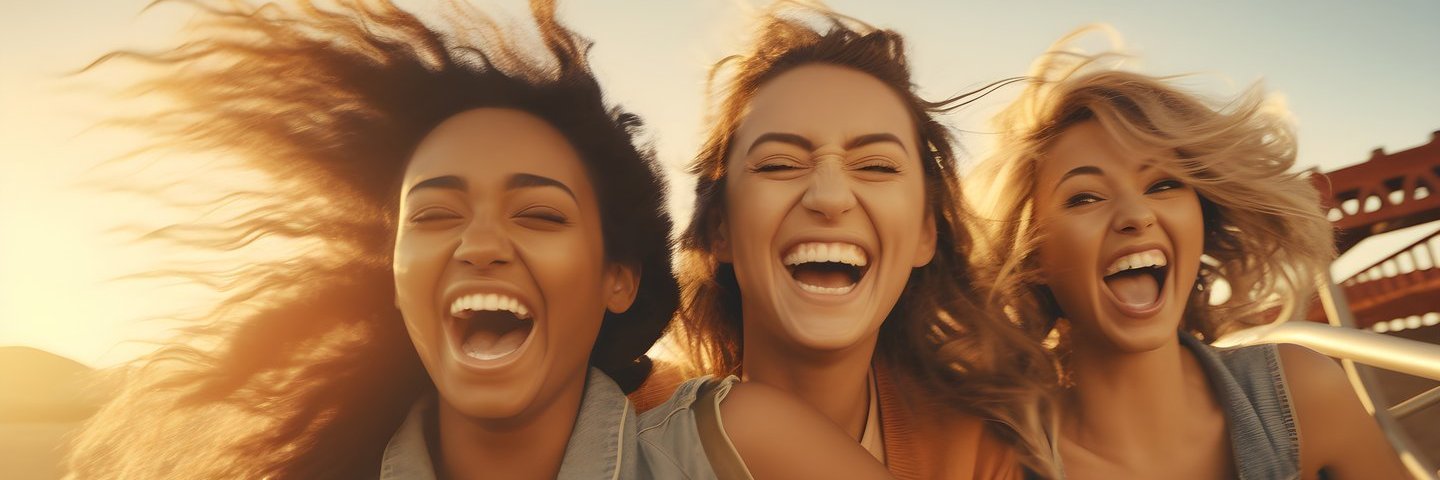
{"points": [[1117, 203]]}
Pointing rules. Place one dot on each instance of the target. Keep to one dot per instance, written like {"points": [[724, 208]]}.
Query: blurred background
{"points": [[1359, 79]]}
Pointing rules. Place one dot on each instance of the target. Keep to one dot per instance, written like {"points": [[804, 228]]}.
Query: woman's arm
{"points": [[1336, 433]]}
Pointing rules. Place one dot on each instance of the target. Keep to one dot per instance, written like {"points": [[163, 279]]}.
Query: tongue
{"points": [[1136, 289], [489, 345], [829, 275]]}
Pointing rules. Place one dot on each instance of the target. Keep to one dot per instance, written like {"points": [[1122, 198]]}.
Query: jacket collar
{"points": [[602, 444]]}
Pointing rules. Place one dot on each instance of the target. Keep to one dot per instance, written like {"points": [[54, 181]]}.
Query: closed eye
{"points": [[431, 215], [544, 214], [776, 163], [773, 167], [880, 167]]}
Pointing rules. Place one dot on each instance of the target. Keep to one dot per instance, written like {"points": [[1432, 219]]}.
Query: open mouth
{"points": [[826, 268], [1137, 279], [491, 326]]}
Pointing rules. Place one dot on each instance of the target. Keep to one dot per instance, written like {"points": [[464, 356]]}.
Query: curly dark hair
{"points": [[304, 369]]}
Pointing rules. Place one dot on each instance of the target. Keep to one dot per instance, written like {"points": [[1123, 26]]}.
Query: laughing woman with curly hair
{"points": [[494, 258]]}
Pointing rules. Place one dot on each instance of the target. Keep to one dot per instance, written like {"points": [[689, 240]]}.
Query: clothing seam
{"points": [[720, 422], [1277, 369], [662, 422], [620, 441]]}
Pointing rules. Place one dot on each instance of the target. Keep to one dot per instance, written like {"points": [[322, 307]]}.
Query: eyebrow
{"points": [[450, 182], [872, 138], [805, 143], [789, 138], [1077, 171], [516, 181], [1089, 170], [526, 180]]}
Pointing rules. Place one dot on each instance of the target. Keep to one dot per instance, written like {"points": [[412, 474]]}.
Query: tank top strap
{"points": [[1250, 386]]}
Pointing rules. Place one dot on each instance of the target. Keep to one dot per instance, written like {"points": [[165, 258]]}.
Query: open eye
{"points": [[1081, 199], [1165, 186]]}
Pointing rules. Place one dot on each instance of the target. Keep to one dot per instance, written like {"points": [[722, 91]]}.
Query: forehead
{"points": [[1089, 144], [822, 101], [490, 144]]}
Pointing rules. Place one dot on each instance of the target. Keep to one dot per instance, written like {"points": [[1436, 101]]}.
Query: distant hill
{"points": [[39, 386]]}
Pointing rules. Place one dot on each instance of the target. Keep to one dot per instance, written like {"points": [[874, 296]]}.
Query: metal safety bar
{"points": [[1358, 351]]}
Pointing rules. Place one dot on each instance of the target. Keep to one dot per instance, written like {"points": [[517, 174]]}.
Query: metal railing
{"points": [[1396, 354], [1358, 351]]}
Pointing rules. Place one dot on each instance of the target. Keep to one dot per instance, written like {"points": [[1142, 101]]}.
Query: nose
{"points": [[829, 191], [484, 244], [1132, 215]]}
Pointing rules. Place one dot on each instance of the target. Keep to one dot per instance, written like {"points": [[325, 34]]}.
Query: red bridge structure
{"points": [[1398, 296], [1387, 193]]}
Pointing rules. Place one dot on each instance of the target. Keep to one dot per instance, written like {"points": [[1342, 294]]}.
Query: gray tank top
{"points": [[1250, 386]]}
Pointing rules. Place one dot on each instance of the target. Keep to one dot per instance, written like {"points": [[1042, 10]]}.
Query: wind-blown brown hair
{"points": [[1265, 233], [304, 370], [942, 341]]}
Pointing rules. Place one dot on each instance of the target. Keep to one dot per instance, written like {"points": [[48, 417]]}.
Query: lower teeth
{"points": [[826, 290]]}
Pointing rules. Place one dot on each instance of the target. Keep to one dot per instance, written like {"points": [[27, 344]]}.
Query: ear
{"points": [[722, 243], [622, 282], [925, 249]]}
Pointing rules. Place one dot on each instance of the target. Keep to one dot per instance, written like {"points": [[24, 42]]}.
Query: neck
{"points": [[1127, 405], [834, 383], [530, 446]]}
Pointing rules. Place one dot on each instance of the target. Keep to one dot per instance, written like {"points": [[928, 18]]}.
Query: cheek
{"points": [[898, 212], [568, 268], [418, 263], [1193, 224], [1186, 222], [1069, 246], [754, 210], [1067, 255]]}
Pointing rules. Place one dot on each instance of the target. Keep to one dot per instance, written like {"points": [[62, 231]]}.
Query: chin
{"points": [[821, 333], [1141, 338], [496, 404], [490, 400], [825, 328]]}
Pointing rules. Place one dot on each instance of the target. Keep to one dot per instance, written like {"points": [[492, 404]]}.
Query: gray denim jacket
{"points": [[1249, 383], [602, 446]]}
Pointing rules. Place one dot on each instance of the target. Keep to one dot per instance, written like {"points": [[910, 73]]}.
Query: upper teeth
{"points": [[847, 253], [489, 302], [1148, 258]]}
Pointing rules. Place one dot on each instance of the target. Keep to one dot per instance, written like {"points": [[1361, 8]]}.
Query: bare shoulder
{"points": [[754, 414], [1310, 374], [1336, 432], [750, 398], [778, 436], [1318, 390]]}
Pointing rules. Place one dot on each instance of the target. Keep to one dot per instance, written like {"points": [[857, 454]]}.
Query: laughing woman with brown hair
{"points": [[827, 260]]}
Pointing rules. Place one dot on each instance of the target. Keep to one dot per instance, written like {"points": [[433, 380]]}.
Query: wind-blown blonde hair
{"points": [[940, 339], [1265, 233]]}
